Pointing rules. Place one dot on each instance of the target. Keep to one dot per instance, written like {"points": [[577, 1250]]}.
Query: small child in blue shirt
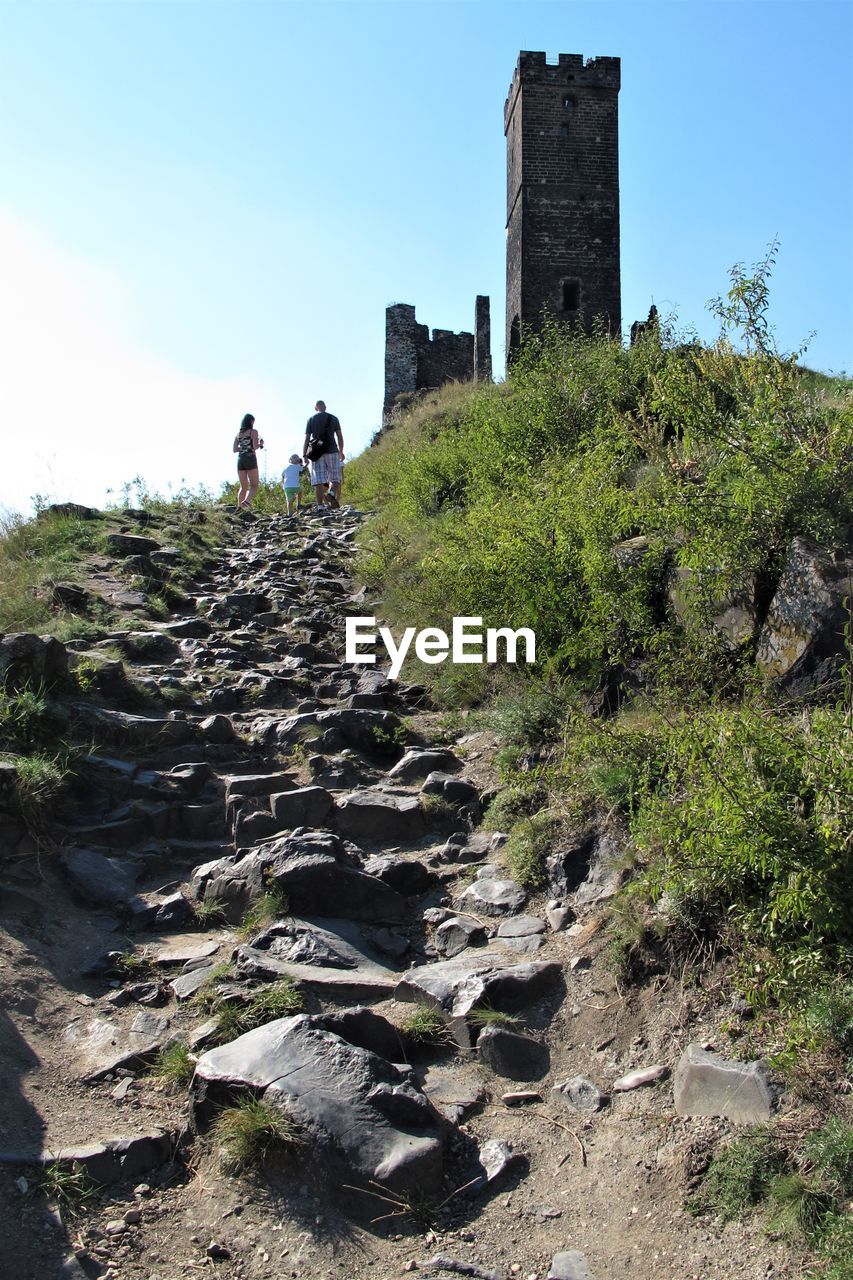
{"points": [[290, 482]]}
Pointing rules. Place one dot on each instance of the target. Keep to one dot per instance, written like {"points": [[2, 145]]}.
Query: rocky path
{"points": [[292, 839]]}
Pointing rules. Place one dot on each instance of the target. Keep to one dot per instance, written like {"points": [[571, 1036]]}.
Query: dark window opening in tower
{"points": [[571, 295], [565, 130], [570, 103]]}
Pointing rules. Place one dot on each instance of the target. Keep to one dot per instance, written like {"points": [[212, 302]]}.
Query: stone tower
{"points": [[562, 140]]}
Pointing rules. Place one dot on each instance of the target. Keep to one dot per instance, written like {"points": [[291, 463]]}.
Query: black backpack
{"points": [[320, 444]]}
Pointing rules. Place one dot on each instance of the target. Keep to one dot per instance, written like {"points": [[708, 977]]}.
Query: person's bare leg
{"points": [[254, 485], [336, 491], [319, 489], [244, 488]]}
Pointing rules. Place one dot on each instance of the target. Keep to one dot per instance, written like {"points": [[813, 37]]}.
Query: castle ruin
{"points": [[562, 250], [414, 361]]}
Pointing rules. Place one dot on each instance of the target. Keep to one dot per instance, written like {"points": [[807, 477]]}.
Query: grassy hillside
{"points": [[734, 807], [507, 501]]}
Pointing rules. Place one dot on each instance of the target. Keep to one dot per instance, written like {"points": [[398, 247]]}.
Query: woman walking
{"points": [[246, 442]]}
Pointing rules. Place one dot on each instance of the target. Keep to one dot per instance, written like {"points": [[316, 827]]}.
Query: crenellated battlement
{"points": [[569, 69]]}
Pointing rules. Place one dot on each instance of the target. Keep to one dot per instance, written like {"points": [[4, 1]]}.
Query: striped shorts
{"points": [[327, 468]]}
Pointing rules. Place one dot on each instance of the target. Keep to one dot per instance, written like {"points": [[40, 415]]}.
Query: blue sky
{"points": [[206, 207]]}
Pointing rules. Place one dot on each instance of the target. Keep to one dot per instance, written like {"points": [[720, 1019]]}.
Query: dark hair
{"points": [[248, 421], [321, 406]]}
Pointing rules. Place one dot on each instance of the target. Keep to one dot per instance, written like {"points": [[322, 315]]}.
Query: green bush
{"points": [[424, 1025], [28, 722], [175, 1065], [35, 554], [754, 817], [270, 906], [511, 803], [830, 1150], [835, 1245], [829, 1015], [68, 1186], [529, 843], [802, 1188]]}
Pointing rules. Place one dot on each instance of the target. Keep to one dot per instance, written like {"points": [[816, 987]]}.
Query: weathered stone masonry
{"points": [[414, 361], [561, 125]]}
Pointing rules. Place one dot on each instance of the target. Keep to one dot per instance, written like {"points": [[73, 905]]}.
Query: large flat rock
{"points": [[99, 879], [370, 731], [331, 957], [302, 807], [380, 815], [363, 1119], [493, 896], [418, 764], [102, 1046]]}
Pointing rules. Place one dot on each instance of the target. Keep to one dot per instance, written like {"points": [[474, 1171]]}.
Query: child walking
{"points": [[290, 481]]}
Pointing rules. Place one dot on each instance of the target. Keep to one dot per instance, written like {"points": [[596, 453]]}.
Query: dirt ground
{"points": [[611, 1184]]}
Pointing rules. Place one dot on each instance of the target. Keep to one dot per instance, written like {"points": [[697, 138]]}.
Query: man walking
{"points": [[324, 449]]}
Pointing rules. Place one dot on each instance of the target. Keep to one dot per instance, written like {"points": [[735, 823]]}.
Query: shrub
{"points": [[40, 782], [35, 554], [754, 819], [525, 851], [829, 1015], [438, 812], [486, 1016], [830, 1151], [66, 1185], [511, 803], [207, 913], [835, 1245], [207, 996], [803, 1189], [28, 723]]}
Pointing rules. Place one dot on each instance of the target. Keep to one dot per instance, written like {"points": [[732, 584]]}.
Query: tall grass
{"points": [[34, 554]]}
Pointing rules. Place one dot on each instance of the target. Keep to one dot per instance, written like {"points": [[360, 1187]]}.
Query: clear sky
{"points": [[205, 207]]}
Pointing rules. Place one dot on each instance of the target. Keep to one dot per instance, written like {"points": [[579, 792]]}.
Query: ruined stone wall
{"points": [[414, 361], [561, 125], [403, 339], [482, 340], [448, 357]]}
